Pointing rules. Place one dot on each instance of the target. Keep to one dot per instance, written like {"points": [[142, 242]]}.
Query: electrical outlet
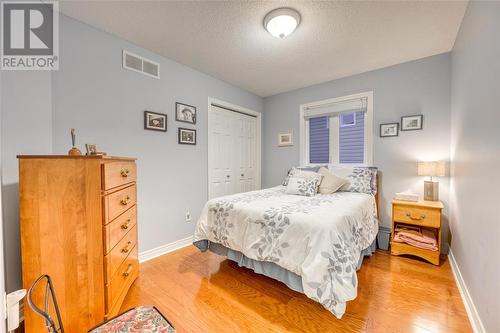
{"points": [[188, 217]]}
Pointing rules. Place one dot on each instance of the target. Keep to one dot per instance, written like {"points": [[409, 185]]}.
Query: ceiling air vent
{"points": [[140, 64]]}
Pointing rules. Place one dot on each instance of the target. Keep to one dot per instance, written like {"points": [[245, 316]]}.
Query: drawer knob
{"points": [[416, 218], [125, 249], [124, 173], [125, 225], [128, 271], [125, 201]]}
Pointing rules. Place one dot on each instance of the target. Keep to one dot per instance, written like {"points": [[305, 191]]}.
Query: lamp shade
{"points": [[433, 169]]}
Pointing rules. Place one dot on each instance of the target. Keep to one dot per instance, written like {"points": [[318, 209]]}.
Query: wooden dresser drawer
{"points": [[118, 202], [118, 254], [120, 282], [118, 173], [118, 228], [425, 217]]}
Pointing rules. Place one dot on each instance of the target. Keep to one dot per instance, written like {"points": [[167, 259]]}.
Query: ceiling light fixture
{"points": [[281, 22]]}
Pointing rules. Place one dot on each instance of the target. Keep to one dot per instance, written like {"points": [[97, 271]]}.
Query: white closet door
{"points": [[246, 151], [220, 153], [231, 152]]}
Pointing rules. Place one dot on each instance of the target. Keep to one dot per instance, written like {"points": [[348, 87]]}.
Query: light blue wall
{"points": [[105, 103], [417, 87], [475, 151], [26, 111]]}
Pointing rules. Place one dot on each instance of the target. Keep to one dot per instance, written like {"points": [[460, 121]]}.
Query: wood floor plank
{"points": [[204, 292]]}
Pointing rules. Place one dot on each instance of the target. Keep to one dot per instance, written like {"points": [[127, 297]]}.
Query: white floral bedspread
{"points": [[319, 238]]}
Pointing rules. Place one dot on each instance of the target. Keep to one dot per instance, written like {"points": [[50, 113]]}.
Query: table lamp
{"points": [[432, 169]]}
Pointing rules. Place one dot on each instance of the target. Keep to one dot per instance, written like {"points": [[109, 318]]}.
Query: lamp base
{"points": [[431, 191]]}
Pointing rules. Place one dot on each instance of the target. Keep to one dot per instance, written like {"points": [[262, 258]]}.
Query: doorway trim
{"points": [[240, 109]]}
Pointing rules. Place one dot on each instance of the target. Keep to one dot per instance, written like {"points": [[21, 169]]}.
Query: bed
{"points": [[312, 244]]}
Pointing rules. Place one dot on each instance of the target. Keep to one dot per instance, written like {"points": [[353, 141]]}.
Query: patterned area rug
{"points": [[143, 319]]}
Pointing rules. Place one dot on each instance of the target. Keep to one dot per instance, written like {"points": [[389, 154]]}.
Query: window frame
{"points": [[334, 124]]}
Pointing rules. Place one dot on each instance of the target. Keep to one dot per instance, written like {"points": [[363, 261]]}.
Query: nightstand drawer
{"points": [[417, 215]]}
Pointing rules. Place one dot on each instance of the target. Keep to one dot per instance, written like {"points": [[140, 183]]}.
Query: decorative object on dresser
{"points": [[78, 224], [432, 169], [285, 139], [390, 129], [185, 113], [155, 121], [412, 123], [187, 136], [91, 149], [74, 151], [419, 225]]}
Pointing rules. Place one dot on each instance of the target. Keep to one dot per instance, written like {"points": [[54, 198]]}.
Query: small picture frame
{"points": [[91, 149], [412, 123], [186, 136], [389, 129], [185, 113], [155, 121], [285, 139]]}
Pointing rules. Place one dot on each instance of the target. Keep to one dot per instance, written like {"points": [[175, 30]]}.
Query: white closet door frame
{"points": [[258, 117]]}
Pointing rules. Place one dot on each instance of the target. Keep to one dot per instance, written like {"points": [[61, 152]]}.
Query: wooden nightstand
{"points": [[422, 213]]}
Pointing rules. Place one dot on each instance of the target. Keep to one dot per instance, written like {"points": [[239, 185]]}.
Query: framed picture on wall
{"points": [[185, 113], [412, 123], [285, 139], [186, 136], [390, 129], [155, 121]]}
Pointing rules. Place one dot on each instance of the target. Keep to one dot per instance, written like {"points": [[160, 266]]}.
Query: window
{"points": [[337, 131], [347, 119]]}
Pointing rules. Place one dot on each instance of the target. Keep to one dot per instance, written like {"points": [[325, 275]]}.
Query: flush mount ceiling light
{"points": [[281, 22]]}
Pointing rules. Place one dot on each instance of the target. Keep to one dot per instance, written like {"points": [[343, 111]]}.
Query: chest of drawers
{"points": [[79, 225]]}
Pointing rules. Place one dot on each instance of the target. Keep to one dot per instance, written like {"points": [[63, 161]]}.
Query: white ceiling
{"points": [[227, 39]]}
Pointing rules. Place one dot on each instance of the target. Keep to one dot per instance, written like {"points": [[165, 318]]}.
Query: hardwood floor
{"points": [[203, 292]]}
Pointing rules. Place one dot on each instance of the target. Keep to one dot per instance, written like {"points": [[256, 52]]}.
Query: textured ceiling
{"points": [[227, 40]]}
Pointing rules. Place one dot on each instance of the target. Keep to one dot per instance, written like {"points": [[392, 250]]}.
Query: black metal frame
{"points": [[152, 128], [49, 322], [389, 136], [179, 141], [185, 121], [413, 129]]}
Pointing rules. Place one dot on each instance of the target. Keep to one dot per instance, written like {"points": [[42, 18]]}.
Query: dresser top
{"points": [[419, 203], [98, 157]]}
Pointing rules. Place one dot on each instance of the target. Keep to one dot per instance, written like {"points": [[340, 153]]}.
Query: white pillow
{"points": [[330, 182], [295, 172], [302, 186]]}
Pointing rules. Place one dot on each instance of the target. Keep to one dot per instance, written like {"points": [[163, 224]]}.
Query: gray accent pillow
{"points": [[302, 186], [304, 168], [360, 180]]}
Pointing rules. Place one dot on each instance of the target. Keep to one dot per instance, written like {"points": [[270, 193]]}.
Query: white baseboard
{"points": [[161, 250], [475, 320]]}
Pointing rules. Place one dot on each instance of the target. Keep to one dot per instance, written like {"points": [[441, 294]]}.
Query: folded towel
{"points": [[427, 240]]}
